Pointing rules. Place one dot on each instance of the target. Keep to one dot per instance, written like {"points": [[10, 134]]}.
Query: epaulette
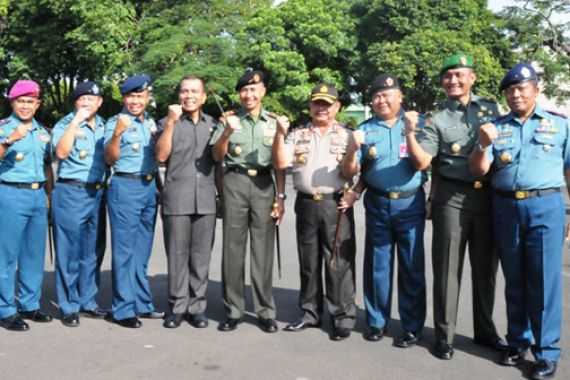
{"points": [[67, 119], [554, 112], [113, 118], [488, 100], [499, 118], [229, 113], [5, 121]]}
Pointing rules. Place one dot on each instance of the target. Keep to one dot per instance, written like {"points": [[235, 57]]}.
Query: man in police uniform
{"points": [[248, 191], [529, 150], [129, 148], [188, 202], [316, 151], [77, 197], [395, 214], [461, 208], [25, 169]]}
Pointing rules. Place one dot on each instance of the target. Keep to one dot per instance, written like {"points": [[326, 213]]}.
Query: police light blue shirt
{"points": [[384, 156], [24, 161], [137, 145], [532, 155], [86, 161]]}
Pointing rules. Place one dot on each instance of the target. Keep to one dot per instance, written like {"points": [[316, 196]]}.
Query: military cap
{"points": [[24, 88], [384, 82], [250, 77], [457, 61], [85, 88], [523, 72], [325, 92], [136, 83]]}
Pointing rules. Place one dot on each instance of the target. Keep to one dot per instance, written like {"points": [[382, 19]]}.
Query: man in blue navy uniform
{"points": [[25, 176], [528, 154], [129, 148], [78, 144], [395, 213], [188, 202]]}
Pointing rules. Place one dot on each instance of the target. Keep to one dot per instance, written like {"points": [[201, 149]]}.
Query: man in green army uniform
{"points": [[461, 209], [245, 143]]}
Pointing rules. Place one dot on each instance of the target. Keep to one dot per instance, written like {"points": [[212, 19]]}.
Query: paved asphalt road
{"points": [[101, 350]]}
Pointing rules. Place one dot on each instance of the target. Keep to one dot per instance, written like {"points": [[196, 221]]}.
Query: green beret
{"points": [[457, 61]]}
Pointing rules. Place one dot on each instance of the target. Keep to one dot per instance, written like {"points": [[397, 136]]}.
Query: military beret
{"points": [[523, 72], [250, 77], [85, 88], [384, 82], [24, 88], [324, 92], [136, 83], [457, 61]]}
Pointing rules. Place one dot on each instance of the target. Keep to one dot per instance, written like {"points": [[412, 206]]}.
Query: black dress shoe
{"points": [[497, 343], [340, 333], [131, 323], [268, 325], [95, 313], [70, 320], [14, 323], [512, 356], [36, 316], [198, 321], [155, 314], [409, 339], [374, 334], [300, 325], [173, 321], [229, 324], [543, 369], [443, 351]]}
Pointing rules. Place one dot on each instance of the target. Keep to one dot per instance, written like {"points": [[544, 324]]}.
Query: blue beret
{"points": [[136, 83], [85, 88], [523, 72], [250, 77]]}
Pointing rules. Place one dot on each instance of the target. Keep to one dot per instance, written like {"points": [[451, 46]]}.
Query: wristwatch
{"points": [[282, 196], [5, 142], [480, 147]]}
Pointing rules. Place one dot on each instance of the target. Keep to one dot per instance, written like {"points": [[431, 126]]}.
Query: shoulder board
{"points": [[488, 100], [557, 113], [67, 119], [5, 121], [499, 118], [229, 113], [113, 118]]}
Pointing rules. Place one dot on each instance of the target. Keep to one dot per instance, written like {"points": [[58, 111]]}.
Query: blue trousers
{"points": [[530, 236], [395, 225], [77, 234], [132, 213], [23, 223]]}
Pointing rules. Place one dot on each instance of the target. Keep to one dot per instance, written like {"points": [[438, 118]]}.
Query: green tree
{"points": [[539, 31]]}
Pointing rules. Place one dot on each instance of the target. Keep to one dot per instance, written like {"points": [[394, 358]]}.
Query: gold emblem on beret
{"points": [[546, 148], [256, 78], [19, 156], [389, 82], [505, 157], [237, 150], [455, 147], [301, 160], [136, 147], [463, 60], [372, 151], [83, 154]]}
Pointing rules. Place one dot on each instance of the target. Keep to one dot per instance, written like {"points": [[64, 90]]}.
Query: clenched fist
{"points": [[411, 120], [123, 122], [174, 112], [487, 134]]}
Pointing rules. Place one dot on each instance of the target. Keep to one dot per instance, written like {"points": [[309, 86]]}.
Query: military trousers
{"points": [[455, 229], [188, 240], [132, 213], [530, 236], [76, 219], [247, 213], [23, 221], [395, 225], [316, 225]]}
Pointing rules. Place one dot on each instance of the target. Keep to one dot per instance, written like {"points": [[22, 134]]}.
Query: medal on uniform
{"points": [[83, 154], [455, 147], [237, 150], [480, 114], [136, 147], [490, 112], [19, 156], [301, 160], [372, 151], [483, 108], [546, 148], [505, 157]]}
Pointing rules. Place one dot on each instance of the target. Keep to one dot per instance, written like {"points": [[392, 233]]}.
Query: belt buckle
{"points": [[318, 197], [252, 172], [394, 195], [98, 186], [477, 185], [149, 177], [522, 194], [35, 186]]}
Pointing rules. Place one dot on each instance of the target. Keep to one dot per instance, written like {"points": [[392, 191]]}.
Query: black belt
{"points": [[82, 185], [524, 194], [474, 185], [319, 197], [251, 172], [24, 185], [146, 177], [393, 194]]}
